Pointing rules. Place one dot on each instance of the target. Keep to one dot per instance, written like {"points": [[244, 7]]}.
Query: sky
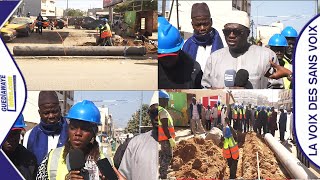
{"points": [[79, 4], [294, 13], [121, 104]]}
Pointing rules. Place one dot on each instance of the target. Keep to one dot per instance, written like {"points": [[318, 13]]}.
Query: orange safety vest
{"points": [[235, 114], [230, 148], [240, 114], [161, 135], [219, 110]]}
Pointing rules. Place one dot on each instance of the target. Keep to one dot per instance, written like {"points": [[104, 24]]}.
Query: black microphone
{"points": [[229, 77], [106, 169], [77, 162], [242, 79]]}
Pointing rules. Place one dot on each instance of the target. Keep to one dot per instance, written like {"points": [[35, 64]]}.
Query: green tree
{"points": [[133, 123], [75, 12]]}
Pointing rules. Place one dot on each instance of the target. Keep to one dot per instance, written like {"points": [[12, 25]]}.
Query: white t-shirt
{"points": [[195, 114], [202, 55], [52, 140]]}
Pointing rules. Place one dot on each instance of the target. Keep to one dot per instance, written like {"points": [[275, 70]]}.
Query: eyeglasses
{"points": [[236, 32]]}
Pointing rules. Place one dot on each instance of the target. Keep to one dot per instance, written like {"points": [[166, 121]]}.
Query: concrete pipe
{"points": [[293, 166], [79, 51]]}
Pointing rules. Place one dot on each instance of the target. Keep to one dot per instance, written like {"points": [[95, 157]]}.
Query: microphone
{"points": [[77, 162], [106, 169], [229, 77], [242, 79]]}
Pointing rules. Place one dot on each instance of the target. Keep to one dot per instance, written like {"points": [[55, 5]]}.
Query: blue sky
{"points": [[291, 13], [122, 104]]}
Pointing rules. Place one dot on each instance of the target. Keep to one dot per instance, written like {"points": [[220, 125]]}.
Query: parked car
{"points": [[8, 34], [23, 25], [90, 23], [60, 23]]}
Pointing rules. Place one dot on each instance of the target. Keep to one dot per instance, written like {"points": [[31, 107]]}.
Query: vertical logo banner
{"points": [[12, 92], [307, 85]]}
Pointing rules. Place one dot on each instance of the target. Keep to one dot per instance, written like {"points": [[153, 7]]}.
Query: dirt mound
{"points": [[269, 166], [198, 158]]}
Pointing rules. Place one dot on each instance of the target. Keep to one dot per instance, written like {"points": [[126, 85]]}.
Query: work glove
{"points": [[172, 142]]}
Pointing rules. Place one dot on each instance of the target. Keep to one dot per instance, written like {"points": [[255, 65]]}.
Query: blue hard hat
{"points": [[163, 94], [258, 108], [169, 38], [19, 122], [277, 40], [227, 132], [104, 19], [85, 111], [289, 32]]}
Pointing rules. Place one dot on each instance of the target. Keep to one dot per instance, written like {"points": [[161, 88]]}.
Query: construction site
{"points": [[199, 156], [78, 51]]}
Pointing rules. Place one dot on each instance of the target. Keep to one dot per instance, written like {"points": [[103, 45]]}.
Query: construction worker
{"points": [[256, 123], [84, 118], [166, 134], [176, 70], [51, 132], [105, 33], [241, 117], [253, 58], [205, 39], [230, 149], [24, 160], [291, 35], [247, 119], [141, 157], [235, 117], [208, 117], [278, 44], [282, 123]]}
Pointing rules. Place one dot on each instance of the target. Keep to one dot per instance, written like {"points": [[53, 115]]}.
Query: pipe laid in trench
{"points": [[293, 166], [79, 51]]}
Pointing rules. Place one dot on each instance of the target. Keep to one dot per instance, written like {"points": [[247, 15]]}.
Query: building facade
{"points": [[246, 97], [45, 7], [106, 121], [285, 99]]}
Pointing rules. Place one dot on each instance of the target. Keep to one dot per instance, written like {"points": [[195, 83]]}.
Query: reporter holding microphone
{"points": [[80, 156]]}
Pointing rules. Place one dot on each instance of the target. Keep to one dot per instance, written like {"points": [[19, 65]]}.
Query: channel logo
{"points": [[8, 93]]}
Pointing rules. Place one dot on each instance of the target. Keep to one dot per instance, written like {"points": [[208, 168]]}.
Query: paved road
{"points": [[88, 73]]}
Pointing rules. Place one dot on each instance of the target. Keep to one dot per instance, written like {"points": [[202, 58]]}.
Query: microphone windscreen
{"points": [[242, 78], [76, 159], [229, 77]]}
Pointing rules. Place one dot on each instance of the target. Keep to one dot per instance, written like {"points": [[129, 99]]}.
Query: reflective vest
{"points": [[56, 167], [230, 148], [161, 135], [287, 65], [240, 114], [257, 112], [235, 114], [219, 110], [106, 31]]}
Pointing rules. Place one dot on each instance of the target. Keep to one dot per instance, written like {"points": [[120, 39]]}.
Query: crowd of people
{"points": [[203, 62]]}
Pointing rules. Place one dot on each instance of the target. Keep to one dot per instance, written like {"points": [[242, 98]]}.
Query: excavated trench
{"points": [[197, 158]]}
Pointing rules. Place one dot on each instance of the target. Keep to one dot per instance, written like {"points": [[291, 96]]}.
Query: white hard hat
{"points": [[155, 98]]}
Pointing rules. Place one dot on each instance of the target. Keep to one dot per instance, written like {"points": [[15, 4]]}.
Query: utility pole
{"points": [[164, 3], [251, 24], [140, 119]]}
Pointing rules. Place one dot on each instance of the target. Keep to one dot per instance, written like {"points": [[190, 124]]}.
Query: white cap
{"points": [[239, 17], [155, 98]]}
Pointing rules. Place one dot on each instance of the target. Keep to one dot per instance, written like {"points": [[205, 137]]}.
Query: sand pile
{"points": [[269, 166], [198, 158]]}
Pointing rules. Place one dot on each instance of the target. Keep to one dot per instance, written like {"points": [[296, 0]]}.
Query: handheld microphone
{"points": [[242, 79], [77, 162], [229, 77], [106, 169]]}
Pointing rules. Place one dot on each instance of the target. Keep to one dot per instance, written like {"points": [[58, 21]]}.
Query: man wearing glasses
{"points": [[260, 62], [205, 39]]}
